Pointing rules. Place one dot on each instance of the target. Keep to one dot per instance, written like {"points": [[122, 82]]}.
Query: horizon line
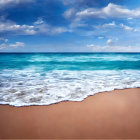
{"points": [[69, 52]]}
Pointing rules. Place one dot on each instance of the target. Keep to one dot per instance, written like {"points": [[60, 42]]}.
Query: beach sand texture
{"points": [[114, 114]]}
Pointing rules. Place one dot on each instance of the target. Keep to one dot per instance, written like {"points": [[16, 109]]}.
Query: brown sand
{"points": [[113, 114]]}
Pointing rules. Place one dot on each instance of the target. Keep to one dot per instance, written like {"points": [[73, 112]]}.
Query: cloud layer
{"points": [[110, 11], [108, 48], [39, 27], [4, 44]]}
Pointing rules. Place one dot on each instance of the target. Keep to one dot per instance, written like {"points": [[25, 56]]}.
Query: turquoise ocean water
{"points": [[47, 78]]}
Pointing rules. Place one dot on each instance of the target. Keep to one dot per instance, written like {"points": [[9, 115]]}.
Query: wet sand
{"points": [[113, 114]]}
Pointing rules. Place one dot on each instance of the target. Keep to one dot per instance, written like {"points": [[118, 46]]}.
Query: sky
{"points": [[69, 25]]}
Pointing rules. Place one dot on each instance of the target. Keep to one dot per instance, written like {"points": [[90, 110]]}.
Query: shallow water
{"points": [[47, 78]]}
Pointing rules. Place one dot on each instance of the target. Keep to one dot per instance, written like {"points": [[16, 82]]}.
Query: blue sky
{"points": [[69, 25]]}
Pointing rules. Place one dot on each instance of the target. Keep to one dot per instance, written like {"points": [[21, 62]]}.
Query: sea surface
{"points": [[47, 78]]}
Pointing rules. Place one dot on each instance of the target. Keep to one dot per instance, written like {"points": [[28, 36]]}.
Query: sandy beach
{"points": [[113, 114]]}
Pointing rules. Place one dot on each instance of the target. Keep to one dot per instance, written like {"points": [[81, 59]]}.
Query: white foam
{"points": [[28, 87], [84, 58]]}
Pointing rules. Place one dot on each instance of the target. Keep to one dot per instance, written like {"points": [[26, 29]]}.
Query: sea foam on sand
{"points": [[28, 87]]}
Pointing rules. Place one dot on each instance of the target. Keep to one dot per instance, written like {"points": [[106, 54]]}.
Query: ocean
{"points": [[47, 78]]}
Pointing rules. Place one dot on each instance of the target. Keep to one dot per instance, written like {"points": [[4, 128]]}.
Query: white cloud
{"points": [[39, 21], [96, 48], [39, 27], [69, 13], [57, 30], [129, 18], [5, 3], [109, 42], [4, 39], [117, 26], [127, 28], [3, 46], [76, 24], [11, 27], [112, 42], [106, 25], [42, 27], [100, 37], [50, 30], [110, 11], [112, 24], [17, 44]]}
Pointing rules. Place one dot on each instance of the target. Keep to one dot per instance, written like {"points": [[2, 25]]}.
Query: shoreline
{"points": [[69, 100], [113, 114]]}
